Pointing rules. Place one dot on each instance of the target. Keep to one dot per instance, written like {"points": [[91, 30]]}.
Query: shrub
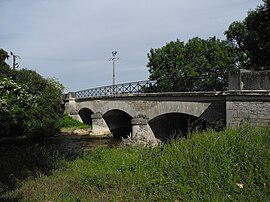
{"points": [[46, 106]]}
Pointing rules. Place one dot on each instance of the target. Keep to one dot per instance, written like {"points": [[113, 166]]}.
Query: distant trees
{"points": [[252, 37], [29, 104], [201, 64], [197, 65]]}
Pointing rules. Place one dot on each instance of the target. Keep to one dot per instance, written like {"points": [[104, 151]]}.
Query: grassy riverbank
{"points": [[233, 165]]}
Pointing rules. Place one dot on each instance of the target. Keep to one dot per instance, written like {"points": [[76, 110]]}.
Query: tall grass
{"points": [[68, 122], [233, 165]]}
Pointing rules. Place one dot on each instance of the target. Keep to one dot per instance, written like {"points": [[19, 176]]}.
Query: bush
{"points": [[46, 108]]}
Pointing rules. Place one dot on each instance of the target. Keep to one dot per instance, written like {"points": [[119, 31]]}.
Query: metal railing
{"points": [[125, 88]]}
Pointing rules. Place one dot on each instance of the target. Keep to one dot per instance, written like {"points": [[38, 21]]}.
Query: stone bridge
{"points": [[159, 115]]}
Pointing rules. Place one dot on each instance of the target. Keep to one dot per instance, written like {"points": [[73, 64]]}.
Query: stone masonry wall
{"points": [[252, 112], [259, 80], [249, 80]]}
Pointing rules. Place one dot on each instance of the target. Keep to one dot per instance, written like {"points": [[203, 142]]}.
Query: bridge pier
{"points": [[70, 103], [99, 126], [139, 125], [142, 131], [71, 106]]}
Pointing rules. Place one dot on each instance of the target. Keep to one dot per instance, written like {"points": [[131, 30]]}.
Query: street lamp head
{"points": [[114, 53]]}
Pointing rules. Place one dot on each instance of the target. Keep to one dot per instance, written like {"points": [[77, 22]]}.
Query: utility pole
{"points": [[114, 59], [15, 64]]}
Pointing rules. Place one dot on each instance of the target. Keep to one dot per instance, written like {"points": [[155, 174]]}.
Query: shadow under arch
{"points": [[85, 115], [119, 122], [175, 125]]}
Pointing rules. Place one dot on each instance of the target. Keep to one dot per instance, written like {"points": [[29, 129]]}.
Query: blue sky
{"points": [[72, 40]]}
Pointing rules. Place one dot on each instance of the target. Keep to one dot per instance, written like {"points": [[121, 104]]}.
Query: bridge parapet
{"points": [[125, 88]]}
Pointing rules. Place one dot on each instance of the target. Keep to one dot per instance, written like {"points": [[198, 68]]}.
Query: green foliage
{"points": [[46, 103], [34, 82], [68, 122], [3, 55], [29, 104], [193, 66], [233, 165], [252, 37], [14, 104], [5, 70]]}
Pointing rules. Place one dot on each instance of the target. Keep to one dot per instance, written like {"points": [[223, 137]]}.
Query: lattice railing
{"points": [[125, 88]]}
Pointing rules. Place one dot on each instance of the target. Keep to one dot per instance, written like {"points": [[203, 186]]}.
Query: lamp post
{"points": [[114, 59]]}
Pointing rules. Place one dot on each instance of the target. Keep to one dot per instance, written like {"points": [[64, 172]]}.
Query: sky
{"points": [[73, 40]]}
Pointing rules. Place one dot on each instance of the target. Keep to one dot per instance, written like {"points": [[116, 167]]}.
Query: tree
{"points": [[46, 104], [5, 70], [193, 66], [252, 37], [3, 55], [29, 104]]}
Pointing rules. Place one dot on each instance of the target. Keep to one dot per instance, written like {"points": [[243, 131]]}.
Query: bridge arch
{"points": [[119, 122], [169, 125], [85, 115]]}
